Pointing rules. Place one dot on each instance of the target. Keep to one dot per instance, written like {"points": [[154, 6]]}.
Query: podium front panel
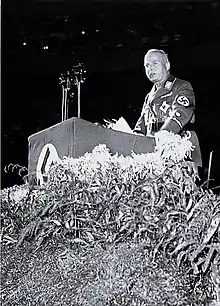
{"points": [[74, 137]]}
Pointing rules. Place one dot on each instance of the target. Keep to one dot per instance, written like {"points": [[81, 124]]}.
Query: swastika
{"points": [[47, 157]]}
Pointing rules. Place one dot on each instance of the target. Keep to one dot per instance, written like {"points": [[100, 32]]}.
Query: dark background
{"points": [[42, 39]]}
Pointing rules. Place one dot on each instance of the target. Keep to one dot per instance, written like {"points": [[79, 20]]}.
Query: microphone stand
{"points": [[79, 71], [65, 82], [73, 77], [78, 91]]}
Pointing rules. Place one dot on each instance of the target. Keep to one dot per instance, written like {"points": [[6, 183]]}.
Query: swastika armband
{"points": [[182, 100]]}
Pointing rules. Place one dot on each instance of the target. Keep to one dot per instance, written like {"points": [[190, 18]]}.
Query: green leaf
{"points": [[198, 251], [56, 222], [189, 205], [195, 268], [208, 259], [79, 240], [90, 236], [212, 229], [180, 257], [126, 226], [182, 246]]}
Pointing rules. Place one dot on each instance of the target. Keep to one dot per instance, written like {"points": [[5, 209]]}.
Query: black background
{"points": [[117, 35]]}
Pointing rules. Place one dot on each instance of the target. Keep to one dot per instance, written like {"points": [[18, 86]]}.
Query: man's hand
{"points": [[139, 134]]}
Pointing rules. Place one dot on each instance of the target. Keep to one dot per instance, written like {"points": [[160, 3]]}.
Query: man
{"points": [[170, 104]]}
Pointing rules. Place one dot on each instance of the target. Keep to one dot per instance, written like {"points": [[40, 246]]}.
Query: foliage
{"points": [[99, 204], [117, 275]]}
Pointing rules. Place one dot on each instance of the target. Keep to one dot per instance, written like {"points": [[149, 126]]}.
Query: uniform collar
{"points": [[165, 88], [169, 82], [170, 78]]}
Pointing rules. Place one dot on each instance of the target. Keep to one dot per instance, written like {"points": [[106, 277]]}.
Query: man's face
{"points": [[155, 67]]}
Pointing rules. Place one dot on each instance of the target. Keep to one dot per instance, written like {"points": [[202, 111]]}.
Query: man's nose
{"points": [[150, 68]]}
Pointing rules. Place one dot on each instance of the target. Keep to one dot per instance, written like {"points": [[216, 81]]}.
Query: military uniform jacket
{"points": [[171, 108]]}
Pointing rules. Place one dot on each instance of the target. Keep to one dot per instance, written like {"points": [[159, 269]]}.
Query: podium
{"points": [[74, 137]]}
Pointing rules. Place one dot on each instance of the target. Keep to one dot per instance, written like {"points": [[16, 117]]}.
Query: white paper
{"points": [[122, 126]]}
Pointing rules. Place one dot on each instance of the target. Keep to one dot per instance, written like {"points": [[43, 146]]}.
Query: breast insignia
{"points": [[164, 107]]}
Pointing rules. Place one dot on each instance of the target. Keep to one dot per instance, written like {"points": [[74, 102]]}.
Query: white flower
{"points": [[17, 193], [173, 146], [169, 146]]}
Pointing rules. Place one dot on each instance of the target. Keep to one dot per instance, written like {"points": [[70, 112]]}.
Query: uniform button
{"points": [[178, 114]]}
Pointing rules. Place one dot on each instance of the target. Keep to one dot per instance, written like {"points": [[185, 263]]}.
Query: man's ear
{"points": [[168, 65]]}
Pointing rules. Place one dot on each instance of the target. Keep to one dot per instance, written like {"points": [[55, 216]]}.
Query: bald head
{"points": [[156, 65], [159, 53]]}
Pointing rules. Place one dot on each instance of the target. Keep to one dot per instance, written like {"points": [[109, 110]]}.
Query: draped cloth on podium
{"points": [[74, 137]]}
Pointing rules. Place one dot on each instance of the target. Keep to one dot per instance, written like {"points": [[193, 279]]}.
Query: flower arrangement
{"points": [[133, 230]]}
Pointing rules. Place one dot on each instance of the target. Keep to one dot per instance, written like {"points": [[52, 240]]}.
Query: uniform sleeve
{"points": [[182, 109]]}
